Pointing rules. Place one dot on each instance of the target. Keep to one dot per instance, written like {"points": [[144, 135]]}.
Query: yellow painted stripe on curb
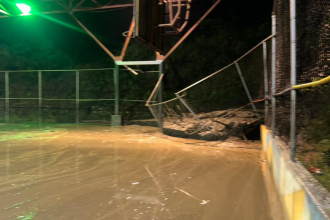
{"points": [[264, 136], [294, 205], [270, 155], [298, 204], [311, 84]]}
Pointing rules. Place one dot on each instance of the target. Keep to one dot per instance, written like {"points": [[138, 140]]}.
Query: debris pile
{"points": [[217, 125]]}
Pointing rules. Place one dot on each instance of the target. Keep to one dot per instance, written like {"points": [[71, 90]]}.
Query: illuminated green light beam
{"points": [[24, 8], [63, 23], [2, 11]]}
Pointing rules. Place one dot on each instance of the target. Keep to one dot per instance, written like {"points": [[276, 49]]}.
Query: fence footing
{"points": [[116, 120]]}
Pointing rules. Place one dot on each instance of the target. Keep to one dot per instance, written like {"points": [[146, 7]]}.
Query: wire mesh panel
{"points": [[59, 85], [23, 84], [96, 84], [133, 110], [23, 97], [96, 111], [283, 117], [96, 96], [134, 92], [253, 73], [253, 76], [283, 65], [223, 90], [136, 87], [23, 111], [59, 97], [313, 106], [59, 111]]}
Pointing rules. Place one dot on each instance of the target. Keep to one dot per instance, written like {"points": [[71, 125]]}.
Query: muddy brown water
{"points": [[133, 172]]}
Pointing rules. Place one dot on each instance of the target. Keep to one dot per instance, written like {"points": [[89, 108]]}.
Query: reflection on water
{"points": [[97, 172], [7, 160]]}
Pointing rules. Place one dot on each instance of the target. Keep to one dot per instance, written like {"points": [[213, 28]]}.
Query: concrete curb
{"points": [[302, 196]]}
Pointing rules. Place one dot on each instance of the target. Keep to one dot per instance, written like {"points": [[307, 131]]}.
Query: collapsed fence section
{"points": [[238, 89], [173, 116], [176, 119], [230, 102]]}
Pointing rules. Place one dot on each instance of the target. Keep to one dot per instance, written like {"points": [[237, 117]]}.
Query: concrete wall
{"points": [[302, 197]]}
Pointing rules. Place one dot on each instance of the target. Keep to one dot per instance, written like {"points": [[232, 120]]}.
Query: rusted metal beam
{"points": [[80, 3], [191, 29], [103, 7], [109, 3], [174, 19], [128, 38], [97, 3]]}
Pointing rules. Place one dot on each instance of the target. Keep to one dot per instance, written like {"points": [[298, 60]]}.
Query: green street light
{"points": [[24, 8]]}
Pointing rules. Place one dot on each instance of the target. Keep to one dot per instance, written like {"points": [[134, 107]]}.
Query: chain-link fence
{"points": [[283, 69], [313, 106], [175, 118], [230, 102], [72, 96], [311, 140]]}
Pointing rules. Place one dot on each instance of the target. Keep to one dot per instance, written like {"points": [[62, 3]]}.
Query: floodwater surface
{"points": [[132, 172]]}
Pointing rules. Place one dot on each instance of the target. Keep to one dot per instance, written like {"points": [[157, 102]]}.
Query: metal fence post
{"points": [[157, 119], [40, 97], [77, 97], [246, 89], [266, 82], [7, 96], [293, 78], [273, 74]]}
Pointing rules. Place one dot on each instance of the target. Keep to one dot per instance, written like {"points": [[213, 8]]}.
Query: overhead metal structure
{"points": [[159, 15], [172, 12]]}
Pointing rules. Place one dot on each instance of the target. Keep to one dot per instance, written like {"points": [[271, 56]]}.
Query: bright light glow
{"points": [[25, 9], [2, 11]]}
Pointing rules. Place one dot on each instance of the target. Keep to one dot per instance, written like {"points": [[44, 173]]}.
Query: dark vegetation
{"points": [[313, 125]]}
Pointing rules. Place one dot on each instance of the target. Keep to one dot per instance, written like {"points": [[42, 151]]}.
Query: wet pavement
{"points": [[133, 172]]}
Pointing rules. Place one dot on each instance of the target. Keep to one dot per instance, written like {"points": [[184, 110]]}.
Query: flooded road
{"points": [[133, 172]]}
